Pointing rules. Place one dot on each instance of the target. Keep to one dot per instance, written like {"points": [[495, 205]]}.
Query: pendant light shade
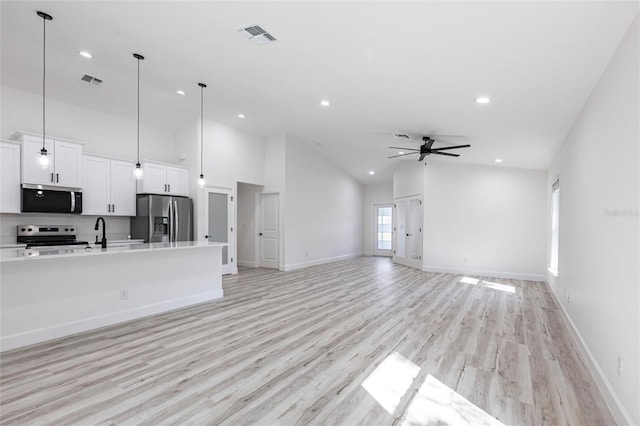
{"points": [[44, 157], [201, 181], [137, 172]]}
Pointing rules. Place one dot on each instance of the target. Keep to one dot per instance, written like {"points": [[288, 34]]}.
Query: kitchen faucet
{"points": [[103, 243]]}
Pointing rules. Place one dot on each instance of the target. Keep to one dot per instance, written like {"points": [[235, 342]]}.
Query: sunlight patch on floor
{"points": [[388, 383], [489, 284], [436, 403]]}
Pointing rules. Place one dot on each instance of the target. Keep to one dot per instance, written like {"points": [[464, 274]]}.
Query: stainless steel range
{"points": [[48, 236]]}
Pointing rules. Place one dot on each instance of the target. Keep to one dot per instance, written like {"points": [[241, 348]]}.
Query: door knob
{"points": [[206, 236], [260, 234]]}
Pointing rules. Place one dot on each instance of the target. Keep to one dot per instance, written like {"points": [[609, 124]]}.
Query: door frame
{"points": [[258, 226], [232, 264], [375, 250], [413, 263]]}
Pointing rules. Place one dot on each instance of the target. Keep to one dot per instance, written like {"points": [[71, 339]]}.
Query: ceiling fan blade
{"points": [[450, 147], [445, 153], [424, 154], [402, 155], [404, 149]]}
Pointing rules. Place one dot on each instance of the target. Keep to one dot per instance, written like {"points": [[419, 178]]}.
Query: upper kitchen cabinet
{"points": [[164, 179], [109, 187], [9, 177], [65, 161]]}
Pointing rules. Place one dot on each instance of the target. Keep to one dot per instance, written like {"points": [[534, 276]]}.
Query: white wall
{"points": [[323, 208], [599, 254], [103, 134], [484, 220], [230, 156], [408, 179], [373, 194]]}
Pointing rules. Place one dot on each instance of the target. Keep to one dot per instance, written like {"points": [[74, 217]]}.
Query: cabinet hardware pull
{"points": [[57, 178], [51, 177]]}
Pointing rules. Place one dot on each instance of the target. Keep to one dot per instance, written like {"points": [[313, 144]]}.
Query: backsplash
{"points": [[118, 228]]}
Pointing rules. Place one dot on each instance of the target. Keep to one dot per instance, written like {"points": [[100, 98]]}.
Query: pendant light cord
{"points": [[44, 73], [201, 129], [138, 110]]}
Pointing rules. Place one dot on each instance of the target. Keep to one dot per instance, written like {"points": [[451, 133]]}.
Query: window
{"points": [[555, 221]]}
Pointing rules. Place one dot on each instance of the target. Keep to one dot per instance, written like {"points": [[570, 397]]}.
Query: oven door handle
{"points": [[73, 202]]}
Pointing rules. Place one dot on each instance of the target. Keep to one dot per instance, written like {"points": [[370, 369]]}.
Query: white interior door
{"points": [[218, 213], [408, 232], [382, 229], [269, 232]]}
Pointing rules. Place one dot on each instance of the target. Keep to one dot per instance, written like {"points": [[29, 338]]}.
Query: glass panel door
{"points": [[219, 217], [383, 232]]}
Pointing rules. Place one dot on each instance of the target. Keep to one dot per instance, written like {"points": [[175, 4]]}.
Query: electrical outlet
{"points": [[465, 260], [619, 366], [124, 294], [306, 254]]}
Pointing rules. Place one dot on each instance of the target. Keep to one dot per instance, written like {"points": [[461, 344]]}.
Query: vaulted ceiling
{"points": [[386, 67]]}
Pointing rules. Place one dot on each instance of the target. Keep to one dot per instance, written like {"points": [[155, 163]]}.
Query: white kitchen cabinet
{"points": [[178, 181], [163, 179], [9, 177], [65, 162], [109, 187]]}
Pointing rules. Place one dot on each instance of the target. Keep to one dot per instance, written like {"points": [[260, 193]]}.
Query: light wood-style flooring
{"points": [[362, 341]]}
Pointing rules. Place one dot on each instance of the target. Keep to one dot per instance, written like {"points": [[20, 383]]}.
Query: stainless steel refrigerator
{"points": [[162, 219]]}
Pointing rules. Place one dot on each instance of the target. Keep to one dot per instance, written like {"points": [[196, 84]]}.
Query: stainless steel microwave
{"points": [[51, 199]]}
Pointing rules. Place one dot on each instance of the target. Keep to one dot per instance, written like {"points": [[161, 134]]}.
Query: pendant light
{"points": [[201, 180], [137, 172], [44, 157]]}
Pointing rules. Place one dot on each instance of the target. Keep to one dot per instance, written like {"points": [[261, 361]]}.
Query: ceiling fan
{"points": [[426, 149]]}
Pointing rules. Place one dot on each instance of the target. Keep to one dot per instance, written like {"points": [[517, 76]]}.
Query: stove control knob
{"points": [[72, 229], [66, 229], [29, 229], [23, 229]]}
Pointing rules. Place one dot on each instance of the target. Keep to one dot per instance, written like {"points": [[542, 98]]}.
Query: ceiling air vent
{"points": [[401, 136], [92, 80], [257, 34]]}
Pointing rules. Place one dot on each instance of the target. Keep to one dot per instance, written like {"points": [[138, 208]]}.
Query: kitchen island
{"points": [[50, 293]]}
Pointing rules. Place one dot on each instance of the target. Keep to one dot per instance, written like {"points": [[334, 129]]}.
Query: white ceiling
{"points": [[409, 67]]}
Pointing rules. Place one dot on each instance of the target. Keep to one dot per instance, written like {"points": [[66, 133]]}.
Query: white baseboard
{"points": [[319, 262], [247, 263], [618, 411], [31, 337], [483, 273], [367, 253]]}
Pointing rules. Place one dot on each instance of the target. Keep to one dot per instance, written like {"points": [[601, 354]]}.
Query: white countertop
{"points": [[42, 253]]}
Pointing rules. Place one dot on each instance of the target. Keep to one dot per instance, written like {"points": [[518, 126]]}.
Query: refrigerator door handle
{"points": [[177, 222], [170, 222]]}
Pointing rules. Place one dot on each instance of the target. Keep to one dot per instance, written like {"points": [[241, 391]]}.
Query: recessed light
{"points": [[240, 115], [325, 103], [371, 172], [483, 100], [498, 160], [86, 54], [180, 92], [400, 153]]}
